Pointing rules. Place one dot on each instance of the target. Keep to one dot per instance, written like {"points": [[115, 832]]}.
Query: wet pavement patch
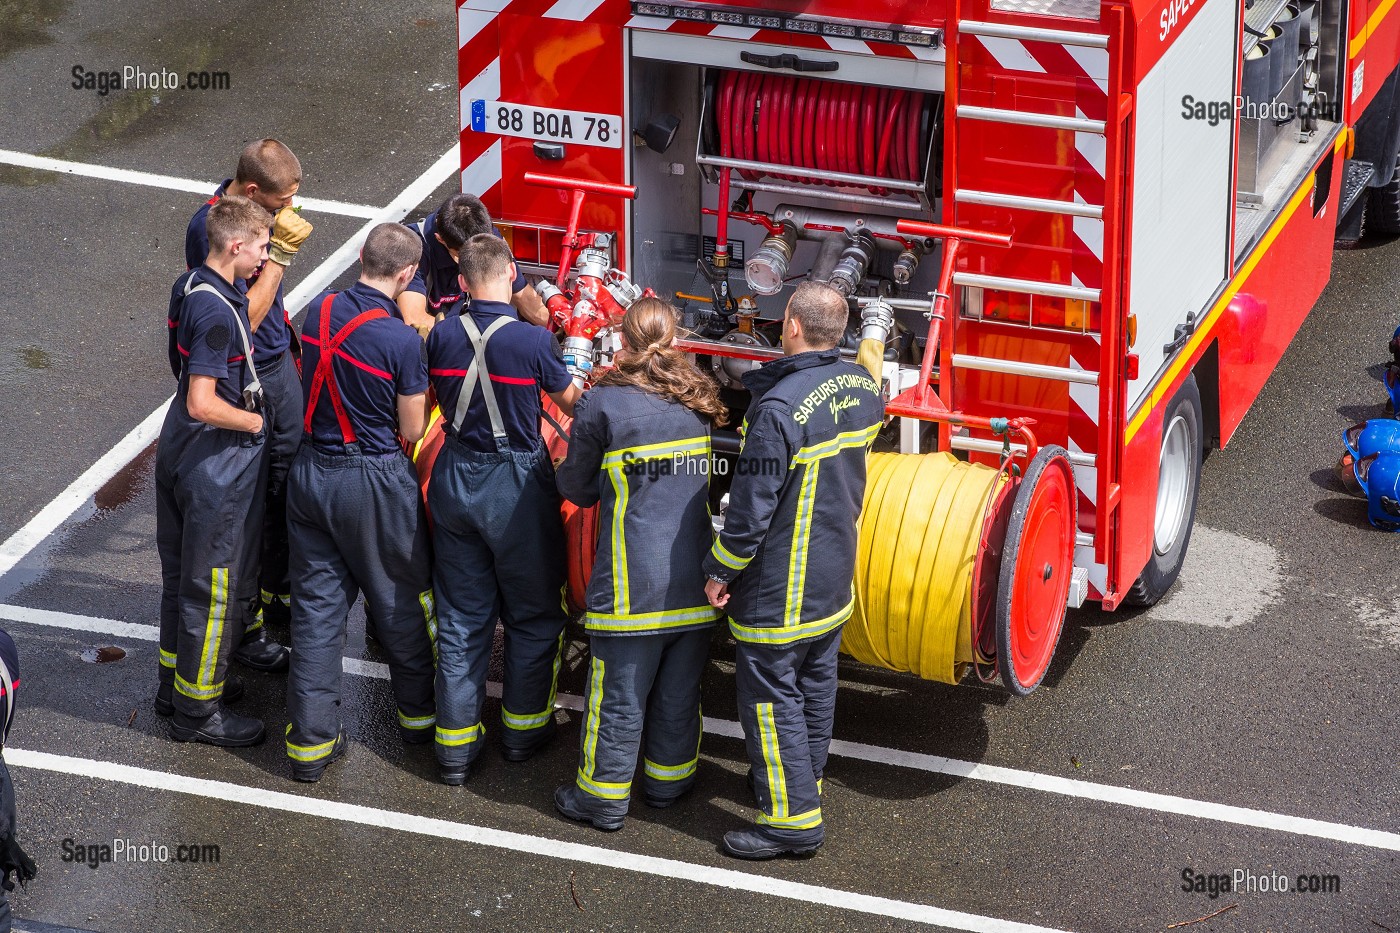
{"points": [[102, 655]]}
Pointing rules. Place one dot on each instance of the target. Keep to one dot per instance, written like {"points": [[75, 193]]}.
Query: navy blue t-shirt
{"points": [[274, 334], [521, 358], [205, 340], [379, 361], [436, 277]]}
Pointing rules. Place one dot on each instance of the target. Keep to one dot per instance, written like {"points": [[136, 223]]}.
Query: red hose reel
{"points": [[824, 126]]}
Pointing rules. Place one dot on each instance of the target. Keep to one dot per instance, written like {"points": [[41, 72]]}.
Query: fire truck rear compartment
{"points": [[818, 171]]}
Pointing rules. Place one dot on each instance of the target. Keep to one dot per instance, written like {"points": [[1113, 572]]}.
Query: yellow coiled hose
{"points": [[919, 531]]}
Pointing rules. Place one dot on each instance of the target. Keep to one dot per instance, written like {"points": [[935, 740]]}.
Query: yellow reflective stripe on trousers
{"points": [[621, 602], [464, 736], [197, 692], [307, 752], [772, 760], [669, 772], [785, 634], [416, 722], [604, 789], [809, 820], [213, 626], [801, 536], [843, 441], [425, 599], [591, 718], [666, 450], [642, 621], [167, 658], [727, 557], [535, 720]]}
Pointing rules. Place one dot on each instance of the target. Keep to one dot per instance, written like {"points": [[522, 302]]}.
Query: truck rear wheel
{"points": [[1178, 483], [1383, 207]]}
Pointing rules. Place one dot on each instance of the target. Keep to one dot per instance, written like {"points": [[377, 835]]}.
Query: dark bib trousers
{"points": [[282, 387], [356, 524], [635, 679], [787, 703], [210, 489], [498, 550]]}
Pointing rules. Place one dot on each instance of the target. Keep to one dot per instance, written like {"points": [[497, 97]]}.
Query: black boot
{"points": [[261, 653], [165, 696], [223, 727], [311, 771]]}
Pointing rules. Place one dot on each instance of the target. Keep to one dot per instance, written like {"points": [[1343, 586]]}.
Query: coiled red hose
{"points": [[819, 125]]}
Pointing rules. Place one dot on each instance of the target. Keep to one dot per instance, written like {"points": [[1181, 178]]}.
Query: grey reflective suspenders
{"points": [[477, 372], [252, 392]]}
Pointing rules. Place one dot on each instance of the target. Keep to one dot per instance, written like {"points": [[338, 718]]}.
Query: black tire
{"points": [[1383, 207], [1164, 566]]}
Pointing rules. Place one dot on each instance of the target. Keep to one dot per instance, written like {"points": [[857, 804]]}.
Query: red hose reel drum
{"points": [[826, 126]]}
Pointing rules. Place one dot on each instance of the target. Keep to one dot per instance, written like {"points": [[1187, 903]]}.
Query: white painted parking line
{"points": [[517, 842], [168, 182], [14, 549], [916, 761]]}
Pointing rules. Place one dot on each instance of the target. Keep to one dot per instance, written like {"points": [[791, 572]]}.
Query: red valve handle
{"points": [[580, 184], [922, 228]]}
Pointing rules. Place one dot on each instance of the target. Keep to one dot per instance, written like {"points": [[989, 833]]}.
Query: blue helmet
{"points": [[1372, 437], [1379, 476]]}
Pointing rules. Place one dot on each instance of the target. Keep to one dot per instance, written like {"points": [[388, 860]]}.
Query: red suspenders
{"points": [[325, 375]]}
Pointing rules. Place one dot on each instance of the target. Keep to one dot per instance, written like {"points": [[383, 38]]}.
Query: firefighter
{"points": [[497, 536], [784, 564], [640, 442], [269, 175], [355, 516], [13, 859], [435, 288], [211, 482]]}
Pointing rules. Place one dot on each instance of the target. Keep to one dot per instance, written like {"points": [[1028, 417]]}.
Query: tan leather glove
{"points": [[289, 231]]}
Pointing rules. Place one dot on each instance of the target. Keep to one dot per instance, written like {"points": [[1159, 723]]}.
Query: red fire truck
{"points": [[1093, 227]]}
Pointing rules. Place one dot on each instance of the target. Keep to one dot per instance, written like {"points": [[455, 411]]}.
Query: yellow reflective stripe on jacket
{"points": [[645, 621], [307, 752], [843, 441], [593, 712], [782, 635], [809, 820], [197, 691], [801, 536], [416, 722], [604, 789], [464, 736], [669, 772], [213, 626], [772, 760], [167, 658], [727, 557], [666, 450], [621, 602]]}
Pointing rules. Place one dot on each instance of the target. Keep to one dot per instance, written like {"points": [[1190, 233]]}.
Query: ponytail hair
{"points": [[654, 365]]}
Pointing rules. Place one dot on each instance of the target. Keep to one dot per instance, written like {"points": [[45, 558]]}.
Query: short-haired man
{"points": [[354, 511], [268, 174], [788, 552], [436, 287], [211, 478], [498, 542]]}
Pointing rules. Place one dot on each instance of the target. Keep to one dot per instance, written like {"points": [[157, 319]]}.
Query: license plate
{"points": [[561, 126]]}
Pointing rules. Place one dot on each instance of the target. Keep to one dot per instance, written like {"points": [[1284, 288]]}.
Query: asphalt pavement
{"points": [[1257, 699]]}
